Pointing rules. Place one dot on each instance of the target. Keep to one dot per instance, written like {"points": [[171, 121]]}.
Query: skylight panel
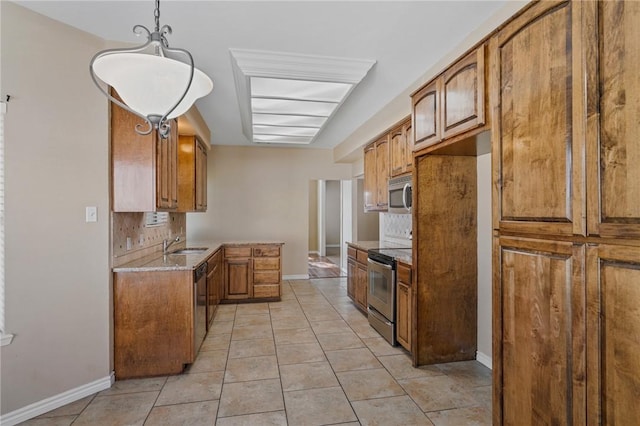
{"points": [[288, 120], [298, 89], [281, 106], [286, 131]]}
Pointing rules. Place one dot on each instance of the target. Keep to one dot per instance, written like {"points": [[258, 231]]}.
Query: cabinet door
{"points": [[201, 178], [238, 278], [613, 324], [538, 147], [403, 316], [362, 287], [614, 107], [351, 278], [370, 184], [407, 128], [463, 92], [382, 172], [538, 334], [425, 116], [167, 169], [397, 152]]}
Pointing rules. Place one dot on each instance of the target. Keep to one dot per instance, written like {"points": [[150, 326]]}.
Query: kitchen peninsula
{"points": [[164, 303]]}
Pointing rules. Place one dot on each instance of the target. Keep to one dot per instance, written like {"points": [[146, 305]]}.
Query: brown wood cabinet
{"points": [[445, 259], [612, 125], [376, 175], [252, 271], [154, 315], [357, 279], [401, 149], [613, 323], [215, 285], [404, 317], [143, 167], [192, 174], [540, 291], [567, 257], [453, 103]]}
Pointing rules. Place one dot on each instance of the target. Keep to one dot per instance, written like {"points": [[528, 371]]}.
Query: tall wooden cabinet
{"points": [[192, 174], [376, 175], [567, 215], [144, 167]]}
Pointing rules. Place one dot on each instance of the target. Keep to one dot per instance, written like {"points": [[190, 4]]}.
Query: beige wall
{"points": [[57, 266], [332, 213], [263, 193], [368, 228]]}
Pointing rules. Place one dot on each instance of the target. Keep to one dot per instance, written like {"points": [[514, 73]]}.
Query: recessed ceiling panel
{"points": [[284, 131], [281, 106], [298, 89], [288, 120], [282, 139], [291, 90]]}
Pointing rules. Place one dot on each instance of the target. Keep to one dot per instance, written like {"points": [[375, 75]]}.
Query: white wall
{"points": [[484, 250], [263, 193], [57, 266]]}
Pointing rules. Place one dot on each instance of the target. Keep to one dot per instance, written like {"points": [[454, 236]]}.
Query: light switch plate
{"points": [[91, 214]]}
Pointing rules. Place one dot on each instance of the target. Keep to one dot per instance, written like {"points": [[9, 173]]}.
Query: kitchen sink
{"points": [[192, 250]]}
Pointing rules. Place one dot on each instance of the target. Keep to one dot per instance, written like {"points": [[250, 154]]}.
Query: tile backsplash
{"points": [[144, 240], [395, 227]]}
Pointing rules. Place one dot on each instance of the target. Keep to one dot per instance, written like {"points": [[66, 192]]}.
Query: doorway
{"points": [[329, 227]]}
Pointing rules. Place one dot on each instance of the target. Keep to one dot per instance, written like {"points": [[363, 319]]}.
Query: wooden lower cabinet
{"points": [[252, 272], [613, 334], [357, 287], [404, 320], [214, 284], [539, 332], [153, 319]]}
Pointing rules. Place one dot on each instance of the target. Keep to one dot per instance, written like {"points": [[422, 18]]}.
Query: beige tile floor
{"points": [[311, 359]]}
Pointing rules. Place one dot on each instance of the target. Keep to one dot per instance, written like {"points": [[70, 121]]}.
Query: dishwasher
{"points": [[200, 306]]}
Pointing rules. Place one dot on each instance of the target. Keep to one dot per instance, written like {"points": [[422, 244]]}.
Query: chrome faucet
{"points": [[166, 244]]}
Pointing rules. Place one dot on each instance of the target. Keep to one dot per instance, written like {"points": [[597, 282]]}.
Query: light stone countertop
{"points": [[183, 262]]}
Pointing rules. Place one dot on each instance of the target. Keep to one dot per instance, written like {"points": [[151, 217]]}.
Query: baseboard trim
{"points": [[296, 277], [485, 360], [37, 408]]}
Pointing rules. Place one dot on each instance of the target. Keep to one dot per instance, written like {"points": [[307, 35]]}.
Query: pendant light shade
{"points": [[149, 81], [152, 85]]}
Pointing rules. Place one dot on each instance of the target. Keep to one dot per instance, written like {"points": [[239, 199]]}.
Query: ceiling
{"points": [[405, 38]]}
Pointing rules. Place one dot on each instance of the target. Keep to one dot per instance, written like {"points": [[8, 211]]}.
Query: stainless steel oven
{"points": [[382, 294]]}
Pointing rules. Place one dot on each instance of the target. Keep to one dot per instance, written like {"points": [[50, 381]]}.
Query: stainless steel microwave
{"points": [[400, 194]]}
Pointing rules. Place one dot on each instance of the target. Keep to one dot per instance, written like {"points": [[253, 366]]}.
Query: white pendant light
{"points": [[152, 85]]}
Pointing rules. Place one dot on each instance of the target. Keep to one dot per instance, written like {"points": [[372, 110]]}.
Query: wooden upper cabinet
{"points": [[453, 103], [192, 174], [463, 94], [613, 132], [539, 353], [370, 184], [143, 167], [537, 144], [401, 149], [426, 115], [613, 323], [382, 172]]}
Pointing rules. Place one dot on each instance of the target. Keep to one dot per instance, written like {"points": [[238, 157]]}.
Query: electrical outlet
{"points": [[128, 243], [141, 240]]}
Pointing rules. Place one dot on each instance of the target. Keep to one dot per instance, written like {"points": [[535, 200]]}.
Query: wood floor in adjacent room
{"points": [[310, 359]]}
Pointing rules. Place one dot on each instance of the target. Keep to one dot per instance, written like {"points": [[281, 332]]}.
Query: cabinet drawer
{"points": [[214, 260], [266, 251], [270, 290], [266, 264], [351, 252], [362, 256], [404, 274], [266, 277], [237, 252]]}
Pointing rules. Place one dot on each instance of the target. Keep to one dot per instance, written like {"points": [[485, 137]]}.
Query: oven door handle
{"points": [[382, 265]]}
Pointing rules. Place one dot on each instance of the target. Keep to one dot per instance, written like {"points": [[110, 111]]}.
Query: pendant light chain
{"points": [[156, 13]]}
